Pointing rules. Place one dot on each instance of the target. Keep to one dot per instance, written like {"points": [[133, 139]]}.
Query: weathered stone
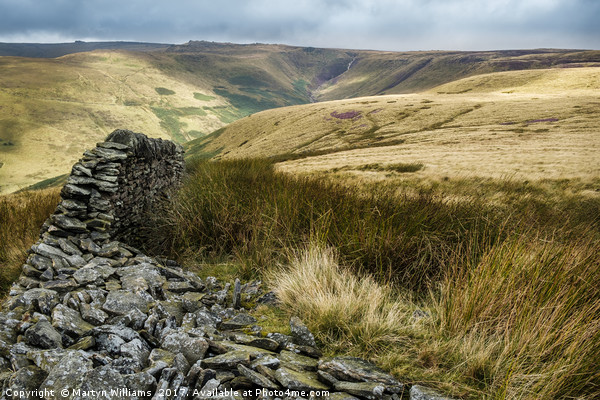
{"points": [[178, 286], [146, 271], [84, 343], [264, 343], [237, 294], [266, 361], [68, 374], [105, 384], [125, 333], [69, 247], [74, 205], [181, 364], [192, 348], [269, 298], [92, 315], [60, 285], [48, 275], [300, 333], [295, 380], [358, 370], [48, 251], [40, 262], [239, 321], [99, 204], [109, 154], [120, 302], [136, 350], [31, 271], [69, 224], [141, 385], [43, 335], [192, 301], [74, 191], [69, 321], [366, 390], [44, 299], [25, 380], [256, 378], [86, 275], [88, 246], [297, 361], [29, 282], [227, 360], [418, 392], [79, 169]]}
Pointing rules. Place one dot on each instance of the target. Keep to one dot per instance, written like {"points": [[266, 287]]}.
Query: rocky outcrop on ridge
{"points": [[92, 317]]}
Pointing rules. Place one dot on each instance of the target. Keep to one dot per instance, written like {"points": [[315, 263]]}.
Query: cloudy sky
{"points": [[364, 24]]}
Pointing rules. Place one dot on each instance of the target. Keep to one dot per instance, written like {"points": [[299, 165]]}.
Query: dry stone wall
{"points": [[92, 317], [112, 186]]}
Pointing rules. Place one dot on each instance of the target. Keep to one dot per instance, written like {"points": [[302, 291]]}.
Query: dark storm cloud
{"points": [[384, 24]]}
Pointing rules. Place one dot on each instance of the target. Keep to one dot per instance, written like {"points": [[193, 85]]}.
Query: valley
{"points": [[51, 109]]}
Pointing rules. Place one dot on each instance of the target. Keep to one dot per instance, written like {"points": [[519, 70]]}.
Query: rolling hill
{"points": [[51, 109], [531, 124]]}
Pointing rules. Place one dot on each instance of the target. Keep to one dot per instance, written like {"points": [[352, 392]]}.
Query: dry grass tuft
{"points": [[21, 216], [343, 307]]}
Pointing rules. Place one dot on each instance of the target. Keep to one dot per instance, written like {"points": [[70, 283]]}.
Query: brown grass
{"points": [[21, 217]]}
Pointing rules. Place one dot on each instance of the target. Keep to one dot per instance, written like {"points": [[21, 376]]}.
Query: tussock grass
{"points": [[244, 207], [346, 310], [536, 306], [21, 216], [511, 306]]}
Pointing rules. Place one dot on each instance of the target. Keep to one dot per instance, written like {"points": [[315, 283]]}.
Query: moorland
{"points": [[435, 212]]}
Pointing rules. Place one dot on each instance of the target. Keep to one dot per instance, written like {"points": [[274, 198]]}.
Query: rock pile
{"points": [[92, 317]]}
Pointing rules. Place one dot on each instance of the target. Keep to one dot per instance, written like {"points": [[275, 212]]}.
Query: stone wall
{"points": [[113, 185]]}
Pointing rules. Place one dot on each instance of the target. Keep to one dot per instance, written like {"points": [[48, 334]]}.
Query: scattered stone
{"points": [[26, 379], [237, 294], [256, 378], [418, 392], [105, 383], [69, 321], [366, 390], [356, 370], [68, 374], [300, 333], [120, 302], [43, 335], [192, 348], [295, 380], [239, 321]]}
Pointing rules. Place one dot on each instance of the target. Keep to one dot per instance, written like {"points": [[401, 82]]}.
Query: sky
{"points": [[400, 25]]}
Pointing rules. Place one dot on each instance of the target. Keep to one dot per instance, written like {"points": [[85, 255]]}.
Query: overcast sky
{"points": [[358, 24]]}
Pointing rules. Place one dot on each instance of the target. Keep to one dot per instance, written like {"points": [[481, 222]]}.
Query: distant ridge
{"points": [[52, 50]]}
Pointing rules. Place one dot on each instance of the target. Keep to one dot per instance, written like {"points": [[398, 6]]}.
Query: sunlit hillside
{"points": [[52, 109], [532, 124]]}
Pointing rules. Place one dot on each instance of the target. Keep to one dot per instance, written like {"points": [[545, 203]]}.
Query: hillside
{"points": [[537, 124], [52, 109]]}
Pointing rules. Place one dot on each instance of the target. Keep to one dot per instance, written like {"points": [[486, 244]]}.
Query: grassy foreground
{"points": [[21, 217], [476, 299]]}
